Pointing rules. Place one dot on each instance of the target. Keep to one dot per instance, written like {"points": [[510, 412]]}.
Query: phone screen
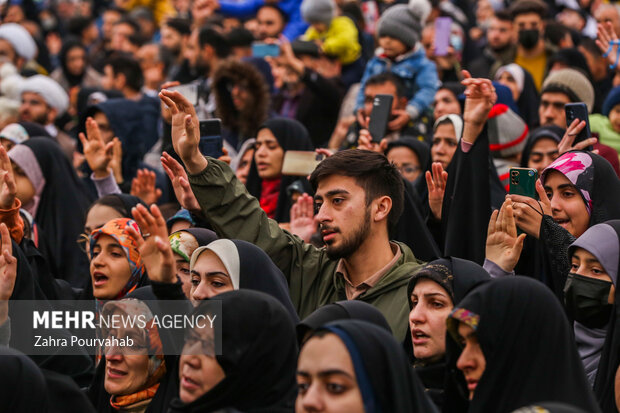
{"points": [[211, 138]]}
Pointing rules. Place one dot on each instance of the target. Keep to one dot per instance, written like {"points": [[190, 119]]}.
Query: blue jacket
{"points": [[417, 72], [248, 8]]}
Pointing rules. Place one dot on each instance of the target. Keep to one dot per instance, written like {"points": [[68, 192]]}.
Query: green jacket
{"points": [[311, 275]]}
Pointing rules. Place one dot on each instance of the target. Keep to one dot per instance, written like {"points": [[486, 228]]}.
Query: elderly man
{"points": [[43, 101]]}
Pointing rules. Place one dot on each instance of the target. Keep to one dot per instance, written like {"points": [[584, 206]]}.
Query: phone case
{"points": [[211, 141], [300, 163], [579, 111], [265, 50], [443, 29], [523, 182], [380, 116]]}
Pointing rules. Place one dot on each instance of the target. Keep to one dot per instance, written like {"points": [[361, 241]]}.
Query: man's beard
{"points": [[501, 49], [351, 244]]}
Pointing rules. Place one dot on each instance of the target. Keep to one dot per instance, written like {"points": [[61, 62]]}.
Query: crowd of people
{"points": [[234, 152]]}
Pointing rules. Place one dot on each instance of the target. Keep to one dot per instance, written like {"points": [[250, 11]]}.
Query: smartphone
{"points": [[443, 30], [189, 91], [211, 142], [523, 182], [265, 50], [579, 111], [380, 116], [300, 163]]}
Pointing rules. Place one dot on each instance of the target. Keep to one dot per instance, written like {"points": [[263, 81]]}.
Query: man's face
{"points": [[373, 90], [107, 134], [551, 109], [608, 13], [35, 109], [109, 18], [171, 40], [192, 48], [528, 21], [270, 23], [109, 81], [120, 36], [342, 214], [7, 54], [499, 34]]}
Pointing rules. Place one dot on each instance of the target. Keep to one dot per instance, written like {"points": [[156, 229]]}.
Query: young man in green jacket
{"points": [[359, 195]]}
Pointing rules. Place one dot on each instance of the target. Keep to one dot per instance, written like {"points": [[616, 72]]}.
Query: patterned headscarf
{"points": [[117, 229], [183, 243], [150, 336], [578, 168]]}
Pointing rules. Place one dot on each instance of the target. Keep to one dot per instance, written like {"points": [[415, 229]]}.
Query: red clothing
{"points": [[270, 191]]}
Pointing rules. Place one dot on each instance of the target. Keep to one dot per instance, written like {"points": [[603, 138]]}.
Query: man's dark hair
{"points": [[131, 22], [590, 46], [125, 64], [210, 36], [372, 171], [179, 25], [555, 32], [503, 15], [77, 25], [529, 6], [283, 15], [240, 37], [388, 77]]}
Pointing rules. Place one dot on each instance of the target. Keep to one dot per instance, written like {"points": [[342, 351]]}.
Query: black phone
{"points": [[579, 111], [211, 142], [380, 116]]}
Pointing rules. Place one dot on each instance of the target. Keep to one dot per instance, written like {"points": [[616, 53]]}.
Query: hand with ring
{"points": [[528, 212]]}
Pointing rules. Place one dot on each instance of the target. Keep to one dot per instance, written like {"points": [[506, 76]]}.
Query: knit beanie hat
{"points": [[507, 132], [401, 23], [612, 99], [318, 11], [571, 82]]}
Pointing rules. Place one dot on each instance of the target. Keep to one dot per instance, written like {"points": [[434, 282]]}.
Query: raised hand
{"points": [[154, 247], [436, 182], [117, 160], [480, 97], [180, 183], [302, 218], [8, 265], [98, 154], [143, 186], [605, 36], [566, 144], [8, 190], [504, 246], [185, 130], [529, 212], [364, 141]]}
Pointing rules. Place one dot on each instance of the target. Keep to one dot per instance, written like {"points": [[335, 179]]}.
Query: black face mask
{"points": [[587, 300], [529, 38]]}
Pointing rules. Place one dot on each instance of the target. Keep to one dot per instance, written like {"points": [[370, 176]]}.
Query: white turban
{"points": [[20, 39], [53, 94]]}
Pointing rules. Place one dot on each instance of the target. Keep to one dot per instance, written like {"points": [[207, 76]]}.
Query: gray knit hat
{"points": [[318, 11], [401, 23], [571, 82]]}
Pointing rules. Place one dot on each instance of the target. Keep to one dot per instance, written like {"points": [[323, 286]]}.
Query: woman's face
{"points": [[445, 103], [268, 155], [614, 118], [444, 144], [109, 268], [98, 216], [25, 189], [543, 153], [199, 370], [567, 205], [471, 362], [126, 374], [507, 80], [76, 61], [406, 161], [326, 378], [182, 271], [587, 265], [209, 277], [243, 169], [431, 306]]}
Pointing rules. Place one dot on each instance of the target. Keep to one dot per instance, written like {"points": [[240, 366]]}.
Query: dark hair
{"points": [[131, 22], [503, 15], [211, 37], [372, 171], [182, 26], [387, 77], [283, 15], [77, 25], [129, 67], [240, 37], [555, 32], [590, 46], [529, 6], [113, 202]]}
